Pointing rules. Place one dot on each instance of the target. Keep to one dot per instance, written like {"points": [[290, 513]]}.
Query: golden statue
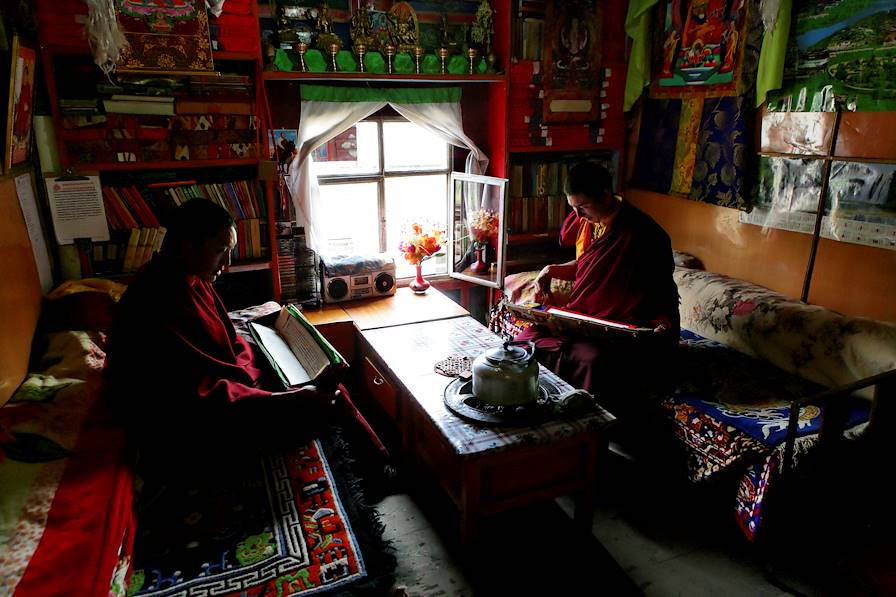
{"points": [[325, 35], [362, 29], [404, 30]]}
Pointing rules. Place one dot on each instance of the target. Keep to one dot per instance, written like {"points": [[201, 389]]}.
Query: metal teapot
{"points": [[506, 375]]}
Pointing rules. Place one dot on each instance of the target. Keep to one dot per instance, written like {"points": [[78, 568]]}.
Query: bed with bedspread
{"points": [[760, 382]]}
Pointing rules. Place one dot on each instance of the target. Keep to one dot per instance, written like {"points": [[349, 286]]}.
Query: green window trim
{"points": [[409, 95]]}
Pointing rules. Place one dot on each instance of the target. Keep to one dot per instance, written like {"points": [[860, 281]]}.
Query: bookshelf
{"points": [[205, 128], [539, 152]]}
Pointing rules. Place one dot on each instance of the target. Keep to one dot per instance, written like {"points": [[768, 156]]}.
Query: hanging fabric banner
{"points": [[165, 35]]}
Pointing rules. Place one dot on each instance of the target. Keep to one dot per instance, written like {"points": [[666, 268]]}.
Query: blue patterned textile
{"points": [[657, 140], [749, 394], [722, 170]]}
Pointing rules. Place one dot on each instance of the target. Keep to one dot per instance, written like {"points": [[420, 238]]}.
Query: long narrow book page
{"points": [[296, 349], [572, 322], [303, 344], [281, 355]]}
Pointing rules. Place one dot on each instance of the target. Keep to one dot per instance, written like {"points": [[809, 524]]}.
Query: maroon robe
{"points": [[626, 276], [183, 379]]}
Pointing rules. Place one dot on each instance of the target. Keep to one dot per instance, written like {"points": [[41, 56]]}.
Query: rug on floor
{"points": [[278, 524]]}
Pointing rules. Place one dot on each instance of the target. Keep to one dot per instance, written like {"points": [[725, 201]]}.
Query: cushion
{"points": [[818, 344]]}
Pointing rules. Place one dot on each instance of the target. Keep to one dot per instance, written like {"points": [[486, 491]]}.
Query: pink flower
{"points": [[743, 308]]}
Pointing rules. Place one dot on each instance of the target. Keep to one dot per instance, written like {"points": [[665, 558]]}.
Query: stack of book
{"points": [[286, 261], [225, 84], [537, 202], [236, 29], [121, 103], [73, 107], [239, 197], [134, 229]]}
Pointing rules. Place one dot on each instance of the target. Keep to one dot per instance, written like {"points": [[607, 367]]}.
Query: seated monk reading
{"points": [[187, 385], [622, 272]]}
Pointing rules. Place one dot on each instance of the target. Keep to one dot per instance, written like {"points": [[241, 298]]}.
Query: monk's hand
{"points": [[312, 394], [543, 292]]}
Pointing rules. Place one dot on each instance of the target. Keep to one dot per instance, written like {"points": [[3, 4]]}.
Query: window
{"points": [[375, 179]]}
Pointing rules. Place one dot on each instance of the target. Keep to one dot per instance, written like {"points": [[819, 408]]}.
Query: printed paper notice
{"points": [[77, 208], [32, 222]]}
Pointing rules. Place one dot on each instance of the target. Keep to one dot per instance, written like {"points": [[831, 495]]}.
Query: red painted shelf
{"points": [[164, 165]]}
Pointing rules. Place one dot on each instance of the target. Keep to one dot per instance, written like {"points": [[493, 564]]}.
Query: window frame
{"points": [[381, 176]]}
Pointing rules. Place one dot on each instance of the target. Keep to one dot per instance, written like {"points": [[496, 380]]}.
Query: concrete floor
{"points": [[642, 542]]}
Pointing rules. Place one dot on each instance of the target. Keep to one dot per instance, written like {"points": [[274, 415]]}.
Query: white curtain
{"points": [[327, 112]]}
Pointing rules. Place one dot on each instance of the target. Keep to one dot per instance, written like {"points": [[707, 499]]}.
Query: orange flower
{"points": [[421, 243]]}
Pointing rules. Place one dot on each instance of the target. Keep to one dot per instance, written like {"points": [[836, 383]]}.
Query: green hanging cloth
{"points": [[773, 53], [637, 26], [398, 95]]}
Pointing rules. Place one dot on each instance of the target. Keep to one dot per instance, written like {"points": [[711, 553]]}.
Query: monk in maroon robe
{"points": [[623, 272], [185, 382]]}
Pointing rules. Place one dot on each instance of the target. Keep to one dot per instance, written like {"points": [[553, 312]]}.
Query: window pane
{"points": [[353, 152], [349, 218], [409, 199], [407, 146]]}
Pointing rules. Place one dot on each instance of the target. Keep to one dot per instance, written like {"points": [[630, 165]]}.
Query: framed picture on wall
{"points": [[21, 103], [283, 146]]}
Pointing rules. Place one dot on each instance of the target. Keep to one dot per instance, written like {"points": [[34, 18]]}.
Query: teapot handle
{"points": [[528, 343]]}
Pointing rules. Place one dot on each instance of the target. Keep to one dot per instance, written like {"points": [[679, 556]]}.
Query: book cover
{"points": [[138, 107], [131, 250], [299, 354]]}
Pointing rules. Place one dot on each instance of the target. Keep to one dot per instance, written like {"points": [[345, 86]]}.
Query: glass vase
{"points": [[480, 266], [419, 284]]}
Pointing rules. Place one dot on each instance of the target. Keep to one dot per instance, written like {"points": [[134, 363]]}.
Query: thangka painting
{"points": [[572, 60], [843, 49], [701, 48], [165, 35]]}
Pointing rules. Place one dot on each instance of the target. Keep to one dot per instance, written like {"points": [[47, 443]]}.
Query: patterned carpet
{"points": [[282, 524]]}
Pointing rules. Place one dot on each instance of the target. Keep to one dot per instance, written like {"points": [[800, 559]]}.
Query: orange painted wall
{"points": [[852, 279]]}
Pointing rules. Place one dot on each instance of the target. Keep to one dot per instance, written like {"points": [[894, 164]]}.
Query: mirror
{"points": [[476, 229]]}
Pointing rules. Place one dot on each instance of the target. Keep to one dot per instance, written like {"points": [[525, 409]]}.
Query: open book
{"points": [[298, 352], [565, 322]]}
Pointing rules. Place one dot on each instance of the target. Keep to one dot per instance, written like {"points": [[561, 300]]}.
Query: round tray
{"points": [[460, 400]]}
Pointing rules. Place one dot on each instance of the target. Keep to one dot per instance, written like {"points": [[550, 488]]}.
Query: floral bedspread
{"points": [[65, 504]]}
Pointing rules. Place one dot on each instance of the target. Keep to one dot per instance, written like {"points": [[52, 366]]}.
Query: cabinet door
{"points": [[477, 229], [380, 389]]}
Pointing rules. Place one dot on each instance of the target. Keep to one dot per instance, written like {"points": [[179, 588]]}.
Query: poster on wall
{"points": [[701, 47], [860, 206], [844, 49], [165, 35]]}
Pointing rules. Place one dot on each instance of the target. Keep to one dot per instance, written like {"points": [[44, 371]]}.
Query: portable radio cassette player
{"points": [[347, 278]]}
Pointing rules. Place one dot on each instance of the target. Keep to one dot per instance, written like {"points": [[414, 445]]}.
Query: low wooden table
{"points": [[484, 469]]}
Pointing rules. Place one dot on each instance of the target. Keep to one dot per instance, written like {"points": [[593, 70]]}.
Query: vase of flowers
{"points": [[483, 225], [421, 243]]}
